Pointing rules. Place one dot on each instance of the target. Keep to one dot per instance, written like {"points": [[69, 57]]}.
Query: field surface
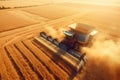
{"points": [[22, 58]]}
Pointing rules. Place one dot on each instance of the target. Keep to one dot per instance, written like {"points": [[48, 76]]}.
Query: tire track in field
{"points": [[65, 66], [17, 61], [24, 66], [3, 71], [37, 65], [56, 77], [30, 64], [15, 65], [54, 68], [9, 67]]}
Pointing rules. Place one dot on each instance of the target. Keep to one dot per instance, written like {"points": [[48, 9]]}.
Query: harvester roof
{"points": [[83, 28]]}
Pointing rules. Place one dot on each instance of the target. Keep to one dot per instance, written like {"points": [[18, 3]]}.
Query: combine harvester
{"points": [[69, 49]]}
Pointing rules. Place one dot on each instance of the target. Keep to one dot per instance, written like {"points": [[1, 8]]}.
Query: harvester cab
{"points": [[78, 36]]}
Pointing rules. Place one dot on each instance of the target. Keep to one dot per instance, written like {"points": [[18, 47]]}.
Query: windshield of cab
{"points": [[82, 37]]}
